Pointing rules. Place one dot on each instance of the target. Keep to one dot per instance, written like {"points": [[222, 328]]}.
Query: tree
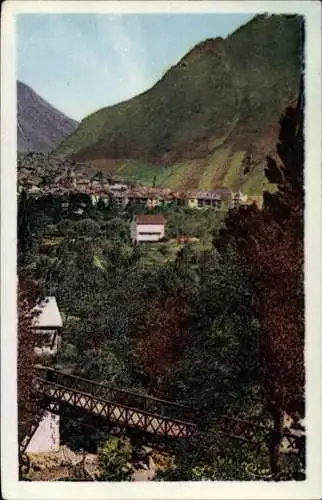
{"points": [[66, 227], [87, 227], [24, 230], [28, 399], [118, 229], [218, 367], [31, 221], [270, 244], [163, 338]]}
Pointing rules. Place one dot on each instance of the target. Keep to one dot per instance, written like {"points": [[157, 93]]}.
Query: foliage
{"points": [[270, 244], [78, 433], [31, 224], [163, 336], [27, 397], [115, 460], [87, 227], [66, 226], [25, 357], [211, 456], [216, 372], [193, 223]]}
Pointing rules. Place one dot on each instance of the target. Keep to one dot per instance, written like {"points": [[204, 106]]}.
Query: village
{"points": [[67, 178]]}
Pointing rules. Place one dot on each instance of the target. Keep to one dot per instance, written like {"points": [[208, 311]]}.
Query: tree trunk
{"points": [[275, 442]]}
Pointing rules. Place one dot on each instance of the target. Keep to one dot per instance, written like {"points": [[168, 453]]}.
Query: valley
{"points": [[163, 237]]}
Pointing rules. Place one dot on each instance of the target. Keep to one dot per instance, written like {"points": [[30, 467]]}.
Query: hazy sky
{"points": [[82, 62]]}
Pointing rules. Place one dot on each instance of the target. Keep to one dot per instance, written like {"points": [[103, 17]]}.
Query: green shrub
{"points": [[115, 460]]}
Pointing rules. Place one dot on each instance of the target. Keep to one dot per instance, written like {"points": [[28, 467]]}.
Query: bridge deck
{"points": [[110, 403]]}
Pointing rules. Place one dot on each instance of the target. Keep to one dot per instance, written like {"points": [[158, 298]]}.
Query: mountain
{"points": [[40, 126], [211, 120]]}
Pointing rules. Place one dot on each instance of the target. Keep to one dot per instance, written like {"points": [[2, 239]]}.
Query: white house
{"points": [[47, 325], [147, 228]]}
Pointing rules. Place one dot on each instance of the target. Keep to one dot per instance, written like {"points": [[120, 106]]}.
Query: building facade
{"points": [[147, 228]]}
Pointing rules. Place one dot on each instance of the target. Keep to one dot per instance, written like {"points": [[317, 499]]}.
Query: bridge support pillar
{"points": [[47, 436]]}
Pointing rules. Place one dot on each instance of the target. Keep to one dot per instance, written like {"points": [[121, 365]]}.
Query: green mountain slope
{"points": [[217, 107]]}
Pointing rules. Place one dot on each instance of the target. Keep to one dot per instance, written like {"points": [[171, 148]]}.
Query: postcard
{"points": [[161, 250]]}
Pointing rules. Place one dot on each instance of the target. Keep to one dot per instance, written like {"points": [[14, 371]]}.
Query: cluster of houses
{"points": [[34, 171], [155, 197], [124, 196], [41, 175]]}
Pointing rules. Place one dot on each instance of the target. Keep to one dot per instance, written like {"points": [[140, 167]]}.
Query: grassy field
{"points": [[232, 176], [219, 169], [159, 253], [178, 173], [216, 169], [139, 171]]}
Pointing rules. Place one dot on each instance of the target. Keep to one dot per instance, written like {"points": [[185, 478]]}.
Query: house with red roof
{"points": [[147, 228]]}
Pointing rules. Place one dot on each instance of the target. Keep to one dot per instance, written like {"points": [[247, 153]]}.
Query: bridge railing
{"points": [[127, 398], [114, 411]]}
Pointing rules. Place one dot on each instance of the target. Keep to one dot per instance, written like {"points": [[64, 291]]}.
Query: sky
{"points": [[82, 62]]}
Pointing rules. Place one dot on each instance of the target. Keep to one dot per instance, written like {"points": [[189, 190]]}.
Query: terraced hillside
{"points": [[220, 169], [195, 128]]}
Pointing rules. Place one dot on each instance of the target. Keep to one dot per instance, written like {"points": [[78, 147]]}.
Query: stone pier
{"points": [[47, 436]]}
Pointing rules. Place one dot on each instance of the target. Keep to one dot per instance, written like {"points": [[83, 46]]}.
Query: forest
{"points": [[217, 323]]}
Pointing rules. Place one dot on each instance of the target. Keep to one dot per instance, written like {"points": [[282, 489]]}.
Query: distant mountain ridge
{"points": [[40, 126], [211, 119]]}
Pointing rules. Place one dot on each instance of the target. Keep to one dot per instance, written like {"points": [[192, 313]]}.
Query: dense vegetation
{"points": [[217, 324], [213, 114]]}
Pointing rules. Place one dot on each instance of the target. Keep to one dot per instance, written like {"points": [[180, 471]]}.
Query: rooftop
{"points": [[49, 315], [150, 219]]}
